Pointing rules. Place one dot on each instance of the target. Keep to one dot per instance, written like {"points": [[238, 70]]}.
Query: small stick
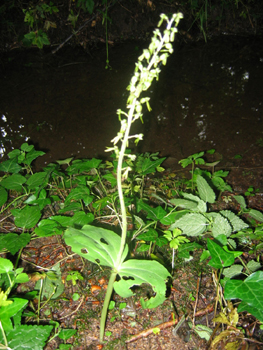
{"points": [[165, 325]]}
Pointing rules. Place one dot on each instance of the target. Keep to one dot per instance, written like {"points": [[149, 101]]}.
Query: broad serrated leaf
{"points": [[13, 182], [14, 242], [201, 207], [220, 258], [253, 265], [233, 271], [136, 272], [256, 214], [36, 180], [98, 245], [10, 166], [191, 224], [250, 292], [28, 337], [236, 223], [27, 217], [205, 191], [221, 226]]}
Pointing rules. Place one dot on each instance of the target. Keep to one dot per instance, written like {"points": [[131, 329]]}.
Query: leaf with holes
{"points": [[96, 244], [136, 272]]}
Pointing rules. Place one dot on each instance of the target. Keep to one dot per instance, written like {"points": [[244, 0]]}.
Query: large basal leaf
{"points": [[220, 258], [136, 272], [205, 191], [96, 244], [80, 165], [14, 242], [192, 224], [250, 292], [28, 337]]}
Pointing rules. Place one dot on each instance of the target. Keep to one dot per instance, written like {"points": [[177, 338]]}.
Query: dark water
{"points": [[208, 96]]}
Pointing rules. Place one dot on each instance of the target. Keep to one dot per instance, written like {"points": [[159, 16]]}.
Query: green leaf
{"points": [[184, 203], [3, 196], [250, 292], [241, 201], [5, 265], [205, 191], [6, 312], [185, 249], [220, 258], [86, 165], [236, 223], [10, 166], [149, 166], [32, 155], [80, 193], [253, 265], [201, 205], [136, 272], [152, 213], [36, 180], [98, 245], [171, 217], [27, 217], [256, 214], [14, 242], [192, 224], [65, 334], [221, 226], [28, 337], [14, 182], [150, 235], [233, 271]]}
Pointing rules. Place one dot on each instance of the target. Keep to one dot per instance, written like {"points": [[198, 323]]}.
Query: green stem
{"points": [[3, 334], [106, 304]]}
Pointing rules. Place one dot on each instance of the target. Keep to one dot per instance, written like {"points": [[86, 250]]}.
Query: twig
{"points": [[165, 325], [196, 299], [81, 301]]}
